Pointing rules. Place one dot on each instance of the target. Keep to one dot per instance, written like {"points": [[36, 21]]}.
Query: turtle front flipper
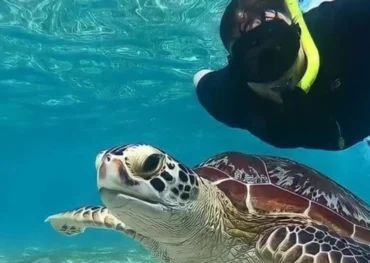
{"points": [[74, 222], [303, 244]]}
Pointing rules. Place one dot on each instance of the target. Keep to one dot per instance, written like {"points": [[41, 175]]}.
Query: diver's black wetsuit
{"points": [[338, 102]]}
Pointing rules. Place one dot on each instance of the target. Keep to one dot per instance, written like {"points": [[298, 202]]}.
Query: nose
{"points": [[109, 169]]}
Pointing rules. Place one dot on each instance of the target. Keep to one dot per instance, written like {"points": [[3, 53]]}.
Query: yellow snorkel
{"points": [[309, 47]]}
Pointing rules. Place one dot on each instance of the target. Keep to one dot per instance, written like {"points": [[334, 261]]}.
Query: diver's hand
{"points": [[199, 75]]}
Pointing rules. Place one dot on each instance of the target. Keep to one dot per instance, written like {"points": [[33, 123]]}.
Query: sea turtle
{"points": [[231, 208]]}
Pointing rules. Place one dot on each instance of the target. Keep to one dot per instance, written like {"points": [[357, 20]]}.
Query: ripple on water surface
{"points": [[62, 53]]}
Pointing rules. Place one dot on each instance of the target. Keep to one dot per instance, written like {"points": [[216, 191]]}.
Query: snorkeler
{"points": [[294, 80]]}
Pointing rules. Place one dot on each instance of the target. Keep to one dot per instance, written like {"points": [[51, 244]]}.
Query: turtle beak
{"points": [[99, 159], [117, 187], [113, 176], [108, 169]]}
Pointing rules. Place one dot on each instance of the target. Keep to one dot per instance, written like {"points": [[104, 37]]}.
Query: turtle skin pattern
{"points": [[310, 244]]}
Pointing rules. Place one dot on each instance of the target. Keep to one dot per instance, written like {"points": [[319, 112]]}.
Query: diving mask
{"points": [[266, 52], [272, 48]]}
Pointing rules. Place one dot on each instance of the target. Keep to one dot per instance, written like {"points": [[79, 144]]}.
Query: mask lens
{"points": [[266, 52]]}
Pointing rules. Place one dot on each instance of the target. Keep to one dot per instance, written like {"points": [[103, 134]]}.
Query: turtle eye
{"points": [[152, 163]]}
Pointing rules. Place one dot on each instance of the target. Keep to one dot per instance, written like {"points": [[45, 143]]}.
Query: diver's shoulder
{"points": [[335, 8], [338, 20]]}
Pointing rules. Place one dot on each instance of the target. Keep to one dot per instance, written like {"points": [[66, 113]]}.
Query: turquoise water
{"points": [[80, 76]]}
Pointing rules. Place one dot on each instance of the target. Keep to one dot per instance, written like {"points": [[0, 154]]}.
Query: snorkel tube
{"points": [[309, 47]]}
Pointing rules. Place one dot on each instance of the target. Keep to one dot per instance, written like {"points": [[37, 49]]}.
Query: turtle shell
{"points": [[265, 184]]}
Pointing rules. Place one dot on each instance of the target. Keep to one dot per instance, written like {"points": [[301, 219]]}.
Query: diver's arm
{"points": [[302, 133], [216, 100], [291, 126], [240, 108]]}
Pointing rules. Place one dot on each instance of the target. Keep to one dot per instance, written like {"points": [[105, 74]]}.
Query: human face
{"points": [[246, 23]]}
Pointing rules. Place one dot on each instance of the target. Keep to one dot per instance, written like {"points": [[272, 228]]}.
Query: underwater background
{"points": [[79, 76]]}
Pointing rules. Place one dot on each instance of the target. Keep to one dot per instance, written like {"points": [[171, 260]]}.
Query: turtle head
{"points": [[146, 188]]}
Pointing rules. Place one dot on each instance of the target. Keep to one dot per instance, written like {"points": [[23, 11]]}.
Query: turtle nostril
{"points": [[123, 174], [125, 178]]}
